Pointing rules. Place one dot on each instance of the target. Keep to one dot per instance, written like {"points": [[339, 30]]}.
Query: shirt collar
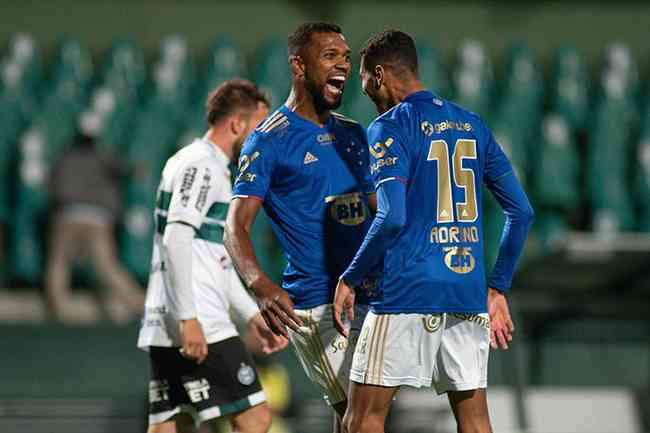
{"points": [[422, 94], [217, 152]]}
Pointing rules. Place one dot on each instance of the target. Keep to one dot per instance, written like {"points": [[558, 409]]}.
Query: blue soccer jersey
{"points": [[314, 182], [443, 154]]}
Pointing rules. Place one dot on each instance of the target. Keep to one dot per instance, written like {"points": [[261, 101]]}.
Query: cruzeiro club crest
{"points": [[432, 322], [246, 374]]}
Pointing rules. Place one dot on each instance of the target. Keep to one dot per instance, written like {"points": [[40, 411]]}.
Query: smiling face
{"points": [[327, 67]]}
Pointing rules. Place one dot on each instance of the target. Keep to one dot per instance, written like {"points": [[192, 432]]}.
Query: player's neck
{"points": [[220, 140], [301, 103], [401, 90]]}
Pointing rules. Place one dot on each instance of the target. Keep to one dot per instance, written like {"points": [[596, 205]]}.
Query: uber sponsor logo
{"points": [[188, 180], [197, 390], [385, 162], [158, 391]]}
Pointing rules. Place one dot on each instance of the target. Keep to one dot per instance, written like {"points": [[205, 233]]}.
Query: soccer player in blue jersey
{"points": [[429, 322], [308, 168]]}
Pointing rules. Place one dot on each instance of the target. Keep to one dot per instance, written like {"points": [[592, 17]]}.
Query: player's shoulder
{"points": [[196, 154], [276, 122], [268, 132], [461, 113], [391, 119]]}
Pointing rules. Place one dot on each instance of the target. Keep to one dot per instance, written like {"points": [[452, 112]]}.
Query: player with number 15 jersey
{"points": [[428, 324]]}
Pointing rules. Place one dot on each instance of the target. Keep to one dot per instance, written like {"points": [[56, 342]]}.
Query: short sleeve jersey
{"points": [[443, 154], [314, 183], [195, 189]]}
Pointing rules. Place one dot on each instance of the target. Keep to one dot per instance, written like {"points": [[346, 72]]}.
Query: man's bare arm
{"points": [[275, 305], [237, 239]]}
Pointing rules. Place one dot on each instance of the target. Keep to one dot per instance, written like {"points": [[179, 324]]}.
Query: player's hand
{"points": [[501, 326], [343, 301], [264, 340], [277, 310], [194, 345]]}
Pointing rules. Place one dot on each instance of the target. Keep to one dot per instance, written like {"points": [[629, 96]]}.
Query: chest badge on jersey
{"points": [[459, 259], [347, 209]]}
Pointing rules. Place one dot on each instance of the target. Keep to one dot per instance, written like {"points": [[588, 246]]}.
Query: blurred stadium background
{"points": [[564, 85]]}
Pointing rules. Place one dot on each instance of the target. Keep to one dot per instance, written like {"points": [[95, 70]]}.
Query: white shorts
{"points": [[325, 355], [447, 351]]}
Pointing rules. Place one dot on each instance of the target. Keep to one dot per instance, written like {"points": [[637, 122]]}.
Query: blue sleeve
{"points": [[385, 228], [519, 217], [256, 165], [389, 157], [496, 161]]}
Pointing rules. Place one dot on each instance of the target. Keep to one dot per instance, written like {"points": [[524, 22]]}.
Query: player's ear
{"points": [[378, 76], [237, 124], [297, 66]]}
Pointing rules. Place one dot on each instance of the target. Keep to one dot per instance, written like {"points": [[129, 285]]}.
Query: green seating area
{"points": [[579, 138]]}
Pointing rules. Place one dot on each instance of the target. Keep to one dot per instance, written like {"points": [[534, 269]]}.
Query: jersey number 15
{"points": [[464, 178]]}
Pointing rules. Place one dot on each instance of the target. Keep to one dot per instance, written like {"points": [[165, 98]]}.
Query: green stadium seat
{"points": [[607, 162], [24, 54], [473, 79], [570, 87], [642, 179], [271, 72], [27, 225], [550, 229], [556, 171], [523, 78], [618, 60], [74, 63], [124, 70], [7, 159], [225, 61], [521, 96], [137, 234], [432, 71], [512, 139], [154, 140]]}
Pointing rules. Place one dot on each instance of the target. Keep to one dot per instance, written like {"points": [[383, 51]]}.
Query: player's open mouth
{"points": [[335, 84]]}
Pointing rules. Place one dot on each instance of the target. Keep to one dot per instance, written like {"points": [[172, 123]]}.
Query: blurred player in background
{"points": [[308, 167], [199, 365], [428, 324]]}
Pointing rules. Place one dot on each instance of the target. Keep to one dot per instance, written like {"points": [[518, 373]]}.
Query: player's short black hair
{"points": [[233, 95], [301, 37], [390, 48]]}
